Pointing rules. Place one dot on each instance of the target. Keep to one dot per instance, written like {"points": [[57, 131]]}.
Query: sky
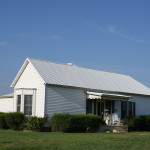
{"points": [[109, 35]]}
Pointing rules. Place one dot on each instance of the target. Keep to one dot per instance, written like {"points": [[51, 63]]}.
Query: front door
{"points": [[100, 108]]}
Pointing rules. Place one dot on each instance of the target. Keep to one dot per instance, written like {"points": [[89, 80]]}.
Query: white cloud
{"points": [[2, 43], [112, 30], [94, 26]]}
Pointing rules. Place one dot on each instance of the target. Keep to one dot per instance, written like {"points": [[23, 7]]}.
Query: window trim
{"points": [[28, 105], [20, 103]]}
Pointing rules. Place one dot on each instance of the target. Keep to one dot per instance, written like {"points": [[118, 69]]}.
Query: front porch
{"points": [[112, 107]]}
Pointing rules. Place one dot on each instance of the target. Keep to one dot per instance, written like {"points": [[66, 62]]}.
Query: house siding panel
{"points": [[6, 104], [142, 105], [68, 100], [31, 79]]}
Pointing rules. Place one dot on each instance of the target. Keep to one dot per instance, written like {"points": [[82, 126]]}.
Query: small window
{"points": [[88, 106], [130, 109], [28, 105], [123, 109], [18, 103], [127, 109]]}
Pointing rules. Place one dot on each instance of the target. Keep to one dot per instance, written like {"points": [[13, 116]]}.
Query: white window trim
{"points": [[24, 92]]}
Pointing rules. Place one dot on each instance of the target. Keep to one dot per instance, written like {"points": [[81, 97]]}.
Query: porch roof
{"points": [[95, 95]]}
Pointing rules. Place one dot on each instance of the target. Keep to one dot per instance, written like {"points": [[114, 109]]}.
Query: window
{"points": [[123, 109], [127, 109], [28, 104], [108, 106], [89, 106], [18, 103], [131, 109]]}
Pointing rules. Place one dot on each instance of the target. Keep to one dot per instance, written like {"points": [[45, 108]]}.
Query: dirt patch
{"points": [[6, 143]]}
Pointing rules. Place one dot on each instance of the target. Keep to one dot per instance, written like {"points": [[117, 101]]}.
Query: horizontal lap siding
{"points": [[6, 104], [142, 105], [68, 100]]}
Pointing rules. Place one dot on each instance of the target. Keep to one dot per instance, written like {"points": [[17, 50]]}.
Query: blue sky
{"points": [[106, 35]]}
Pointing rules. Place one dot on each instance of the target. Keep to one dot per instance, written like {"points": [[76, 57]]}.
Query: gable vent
{"points": [[70, 64]]}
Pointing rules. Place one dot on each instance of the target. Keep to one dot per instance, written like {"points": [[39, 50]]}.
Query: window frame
{"points": [[28, 105], [19, 104]]}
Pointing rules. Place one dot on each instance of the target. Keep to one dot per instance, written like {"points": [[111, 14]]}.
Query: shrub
{"points": [[138, 123], [33, 123], [2, 121], [148, 123], [2, 113], [64, 122], [14, 120], [60, 122], [80, 122]]}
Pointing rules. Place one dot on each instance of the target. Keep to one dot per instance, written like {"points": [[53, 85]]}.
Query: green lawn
{"points": [[16, 140]]}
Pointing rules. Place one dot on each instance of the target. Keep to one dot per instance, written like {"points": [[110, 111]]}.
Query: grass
{"points": [[18, 140]]}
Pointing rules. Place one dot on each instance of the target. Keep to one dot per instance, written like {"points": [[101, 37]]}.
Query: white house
{"points": [[43, 87]]}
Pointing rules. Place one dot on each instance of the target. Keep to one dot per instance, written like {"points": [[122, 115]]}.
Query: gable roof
{"points": [[74, 76]]}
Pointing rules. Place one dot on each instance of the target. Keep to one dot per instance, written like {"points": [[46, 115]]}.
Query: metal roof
{"points": [[74, 76], [7, 95]]}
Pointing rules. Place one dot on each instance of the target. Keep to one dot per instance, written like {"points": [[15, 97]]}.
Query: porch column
{"points": [[111, 107], [111, 112], [104, 109]]}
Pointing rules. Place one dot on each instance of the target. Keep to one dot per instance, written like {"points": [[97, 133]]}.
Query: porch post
{"points": [[96, 107], [104, 109], [111, 107]]}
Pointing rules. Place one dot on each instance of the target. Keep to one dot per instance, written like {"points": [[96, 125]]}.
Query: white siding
{"points": [[142, 105], [31, 79], [6, 104], [69, 100]]}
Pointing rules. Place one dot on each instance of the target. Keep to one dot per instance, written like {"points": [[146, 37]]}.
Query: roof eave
{"points": [[20, 72]]}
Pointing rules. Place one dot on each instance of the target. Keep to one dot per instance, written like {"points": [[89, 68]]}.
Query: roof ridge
{"points": [[78, 66]]}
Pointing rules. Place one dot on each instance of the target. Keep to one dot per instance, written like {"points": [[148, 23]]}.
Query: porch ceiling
{"points": [[107, 96]]}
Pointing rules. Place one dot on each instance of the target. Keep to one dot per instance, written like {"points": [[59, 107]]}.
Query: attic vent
{"points": [[70, 64]]}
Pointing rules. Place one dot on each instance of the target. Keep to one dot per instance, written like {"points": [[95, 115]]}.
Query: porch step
{"points": [[114, 128], [120, 131]]}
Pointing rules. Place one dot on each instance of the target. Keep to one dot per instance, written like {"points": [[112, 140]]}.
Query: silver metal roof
{"points": [[7, 95], [72, 75]]}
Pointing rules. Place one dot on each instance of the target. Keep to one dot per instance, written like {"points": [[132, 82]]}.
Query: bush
{"points": [[60, 122], [2, 121], [138, 123], [33, 123], [80, 122], [64, 122], [14, 120], [2, 113], [148, 123]]}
